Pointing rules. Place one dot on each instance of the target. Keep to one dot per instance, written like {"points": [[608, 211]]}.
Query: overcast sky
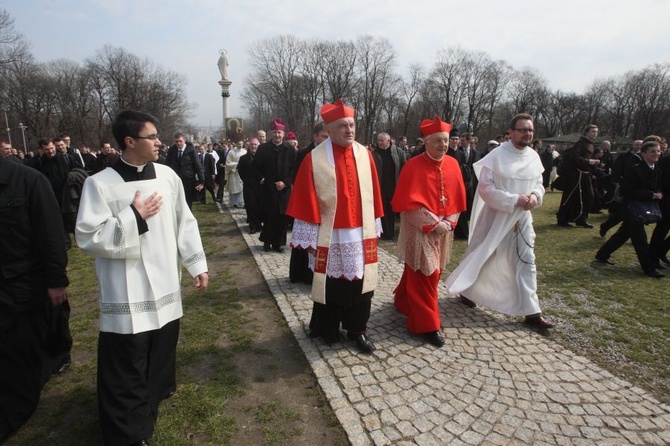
{"points": [[571, 42]]}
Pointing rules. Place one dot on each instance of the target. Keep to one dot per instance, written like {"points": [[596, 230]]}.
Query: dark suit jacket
{"points": [[188, 168]]}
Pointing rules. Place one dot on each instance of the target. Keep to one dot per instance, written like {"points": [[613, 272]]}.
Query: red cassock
{"points": [[436, 186], [423, 182], [304, 204]]}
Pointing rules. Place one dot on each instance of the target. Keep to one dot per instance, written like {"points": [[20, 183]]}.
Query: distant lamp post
{"points": [[23, 131], [9, 136]]}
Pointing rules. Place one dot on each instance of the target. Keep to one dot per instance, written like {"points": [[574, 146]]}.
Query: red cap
{"points": [[277, 124], [333, 112], [429, 127], [290, 136]]}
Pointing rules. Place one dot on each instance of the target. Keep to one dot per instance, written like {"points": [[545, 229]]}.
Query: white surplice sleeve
{"points": [[101, 233]]}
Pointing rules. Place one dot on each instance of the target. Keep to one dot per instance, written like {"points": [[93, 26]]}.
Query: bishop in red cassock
{"points": [[337, 206], [429, 196]]}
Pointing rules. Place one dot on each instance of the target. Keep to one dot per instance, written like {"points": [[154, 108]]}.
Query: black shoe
{"points": [[144, 442], [363, 343], [467, 302], [252, 231], [539, 322], [602, 232], [656, 274], [605, 261], [63, 366], [435, 338], [266, 247], [664, 259], [278, 249], [564, 225], [584, 224]]}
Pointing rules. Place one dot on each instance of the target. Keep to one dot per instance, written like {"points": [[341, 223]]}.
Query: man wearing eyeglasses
{"points": [[498, 269], [133, 217], [576, 168]]}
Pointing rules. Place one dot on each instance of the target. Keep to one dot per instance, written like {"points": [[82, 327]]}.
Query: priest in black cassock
{"points": [[273, 163]]}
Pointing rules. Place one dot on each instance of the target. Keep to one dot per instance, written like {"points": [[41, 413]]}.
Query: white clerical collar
{"points": [[434, 159], [139, 168]]}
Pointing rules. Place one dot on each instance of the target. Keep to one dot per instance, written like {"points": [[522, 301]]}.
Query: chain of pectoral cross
{"points": [[443, 199]]}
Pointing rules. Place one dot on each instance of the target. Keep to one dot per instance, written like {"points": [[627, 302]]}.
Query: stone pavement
{"points": [[494, 381]]}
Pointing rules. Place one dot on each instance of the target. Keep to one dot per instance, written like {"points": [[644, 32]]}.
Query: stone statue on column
{"points": [[223, 65]]}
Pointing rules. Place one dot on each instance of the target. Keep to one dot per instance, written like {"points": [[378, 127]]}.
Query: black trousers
{"points": [[388, 222], [634, 231], [22, 340], [209, 187], [59, 338], [298, 270], [346, 305], [274, 229], [135, 373]]}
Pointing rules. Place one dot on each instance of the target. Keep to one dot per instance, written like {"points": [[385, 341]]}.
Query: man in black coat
{"points": [[183, 159], [641, 181], [470, 156], [222, 152], [273, 163], [389, 160], [618, 167], [251, 187], [576, 168], [209, 168], [33, 261]]}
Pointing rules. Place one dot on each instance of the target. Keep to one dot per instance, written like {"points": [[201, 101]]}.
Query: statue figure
{"points": [[223, 65]]}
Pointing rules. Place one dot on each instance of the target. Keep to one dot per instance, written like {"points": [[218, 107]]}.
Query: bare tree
{"points": [[409, 91], [275, 63], [376, 60], [121, 80], [13, 47]]}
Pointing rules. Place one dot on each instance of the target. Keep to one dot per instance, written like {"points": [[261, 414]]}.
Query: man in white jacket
{"points": [[135, 220], [498, 269]]}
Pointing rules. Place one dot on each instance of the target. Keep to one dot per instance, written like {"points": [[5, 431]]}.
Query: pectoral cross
{"points": [[443, 200]]}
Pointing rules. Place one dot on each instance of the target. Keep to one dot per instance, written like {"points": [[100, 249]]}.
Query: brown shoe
{"points": [[538, 322]]}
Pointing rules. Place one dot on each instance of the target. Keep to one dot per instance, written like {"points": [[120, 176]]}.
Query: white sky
{"points": [[571, 42]]}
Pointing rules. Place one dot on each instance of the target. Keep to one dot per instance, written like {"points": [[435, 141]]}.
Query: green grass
{"points": [[615, 315], [278, 423], [217, 329]]}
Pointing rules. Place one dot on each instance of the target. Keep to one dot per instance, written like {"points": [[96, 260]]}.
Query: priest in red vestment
{"points": [[337, 206], [429, 197]]}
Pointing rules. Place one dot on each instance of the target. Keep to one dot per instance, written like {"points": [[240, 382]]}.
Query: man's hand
{"points": [[201, 281], [441, 228], [57, 295], [199, 187], [280, 185], [531, 201], [148, 207]]}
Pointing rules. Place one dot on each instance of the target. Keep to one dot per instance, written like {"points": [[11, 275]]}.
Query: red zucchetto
{"points": [[290, 136], [277, 124], [333, 112], [429, 127]]}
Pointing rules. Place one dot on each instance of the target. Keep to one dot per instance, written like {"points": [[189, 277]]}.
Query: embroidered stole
{"points": [[325, 183]]}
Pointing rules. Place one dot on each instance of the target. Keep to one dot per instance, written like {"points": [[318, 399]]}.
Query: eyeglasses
{"points": [[151, 137], [525, 130]]}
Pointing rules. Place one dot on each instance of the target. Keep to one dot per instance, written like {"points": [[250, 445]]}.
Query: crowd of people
{"points": [[130, 208]]}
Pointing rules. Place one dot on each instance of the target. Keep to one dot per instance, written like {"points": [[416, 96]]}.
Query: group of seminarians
{"points": [[135, 219]]}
